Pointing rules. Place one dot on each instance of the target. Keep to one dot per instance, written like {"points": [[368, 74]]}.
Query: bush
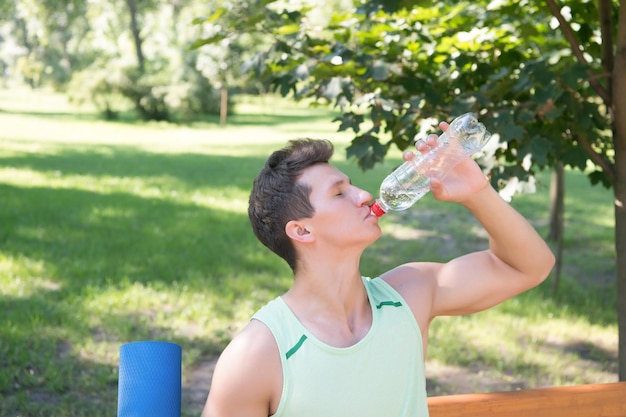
{"points": [[153, 95], [98, 86]]}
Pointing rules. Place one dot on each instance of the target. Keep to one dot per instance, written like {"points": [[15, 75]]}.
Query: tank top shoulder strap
{"points": [[285, 327], [382, 294]]}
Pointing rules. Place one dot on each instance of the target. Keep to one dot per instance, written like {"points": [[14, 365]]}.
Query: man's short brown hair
{"points": [[277, 197]]}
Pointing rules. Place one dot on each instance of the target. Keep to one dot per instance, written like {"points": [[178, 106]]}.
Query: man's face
{"points": [[342, 214]]}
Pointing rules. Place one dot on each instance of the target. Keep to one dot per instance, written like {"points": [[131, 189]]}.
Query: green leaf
{"points": [[555, 113], [380, 72], [207, 41], [572, 74], [349, 121], [600, 177], [525, 116], [287, 29], [548, 92], [576, 157], [368, 151], [523, 84], [511, 132], [211, 18], [541, 73], [539, 149]]}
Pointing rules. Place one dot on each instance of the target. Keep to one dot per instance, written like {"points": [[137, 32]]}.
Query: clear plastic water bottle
{"points": [[411, 181]]}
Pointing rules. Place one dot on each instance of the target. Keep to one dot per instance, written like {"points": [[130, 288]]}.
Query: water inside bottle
{"points": [[400, 198]]}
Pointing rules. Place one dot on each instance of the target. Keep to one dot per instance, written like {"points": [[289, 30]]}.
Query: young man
{"points": [[339, 344]]}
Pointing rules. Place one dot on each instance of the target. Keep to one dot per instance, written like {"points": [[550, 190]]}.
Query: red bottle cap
{"points": [[377, 210]]}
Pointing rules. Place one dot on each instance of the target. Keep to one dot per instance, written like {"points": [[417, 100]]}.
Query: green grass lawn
{"points": [[114, 232]]}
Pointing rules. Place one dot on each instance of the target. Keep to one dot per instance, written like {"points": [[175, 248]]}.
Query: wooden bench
{"points": [[592, 400]]}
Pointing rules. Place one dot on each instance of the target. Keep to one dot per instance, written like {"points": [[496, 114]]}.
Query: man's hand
{"points": [[463, 181]]}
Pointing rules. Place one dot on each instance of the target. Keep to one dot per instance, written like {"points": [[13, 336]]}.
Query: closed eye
{"points": [[341, 185]]}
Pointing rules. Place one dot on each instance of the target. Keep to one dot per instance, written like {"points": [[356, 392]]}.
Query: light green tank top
{"points": [[382, 375]]}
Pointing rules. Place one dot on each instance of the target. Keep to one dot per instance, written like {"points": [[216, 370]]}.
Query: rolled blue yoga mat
{"points": [[149, 380]]}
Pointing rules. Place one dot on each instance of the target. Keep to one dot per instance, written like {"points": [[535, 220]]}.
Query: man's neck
{"points": [[331, 301]]}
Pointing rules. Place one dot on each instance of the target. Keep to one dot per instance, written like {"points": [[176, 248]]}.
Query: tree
{"points": [[227, 55], [554, 96], [49, 31], [135, 30]]}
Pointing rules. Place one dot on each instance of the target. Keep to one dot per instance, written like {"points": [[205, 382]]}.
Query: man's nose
{"points": [[363, 197]]}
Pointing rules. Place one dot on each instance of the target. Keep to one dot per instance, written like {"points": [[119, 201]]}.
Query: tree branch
{"points": [[596, 157], [608, 59], [575, 45]]}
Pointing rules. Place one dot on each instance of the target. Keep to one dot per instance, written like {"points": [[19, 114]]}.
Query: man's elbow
{"points": [[543, 266]]}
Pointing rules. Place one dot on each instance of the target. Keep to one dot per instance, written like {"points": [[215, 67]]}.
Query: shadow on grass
{"points": [[190, 170], [61, 116], [93, 238], [85, 238]]}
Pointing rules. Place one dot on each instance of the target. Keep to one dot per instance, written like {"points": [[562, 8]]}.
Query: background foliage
{"points": [[548, 78]]}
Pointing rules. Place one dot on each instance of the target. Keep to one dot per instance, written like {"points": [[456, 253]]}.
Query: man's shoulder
{"points": [[251, 356], [409, 277], [247, 378], [255, 340], [416, 283]]}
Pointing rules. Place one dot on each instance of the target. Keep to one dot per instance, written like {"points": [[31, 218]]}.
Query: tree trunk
{"points": [[134, 27], [620, 239], [223, 105], [557, 211], [619, 140], [23, 36]]}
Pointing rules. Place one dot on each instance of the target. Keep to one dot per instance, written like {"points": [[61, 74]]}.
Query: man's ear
{"points": [[298, 231]]}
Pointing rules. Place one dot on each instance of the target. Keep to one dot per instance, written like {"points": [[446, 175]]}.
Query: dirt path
{"points": [[196, 387]]}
